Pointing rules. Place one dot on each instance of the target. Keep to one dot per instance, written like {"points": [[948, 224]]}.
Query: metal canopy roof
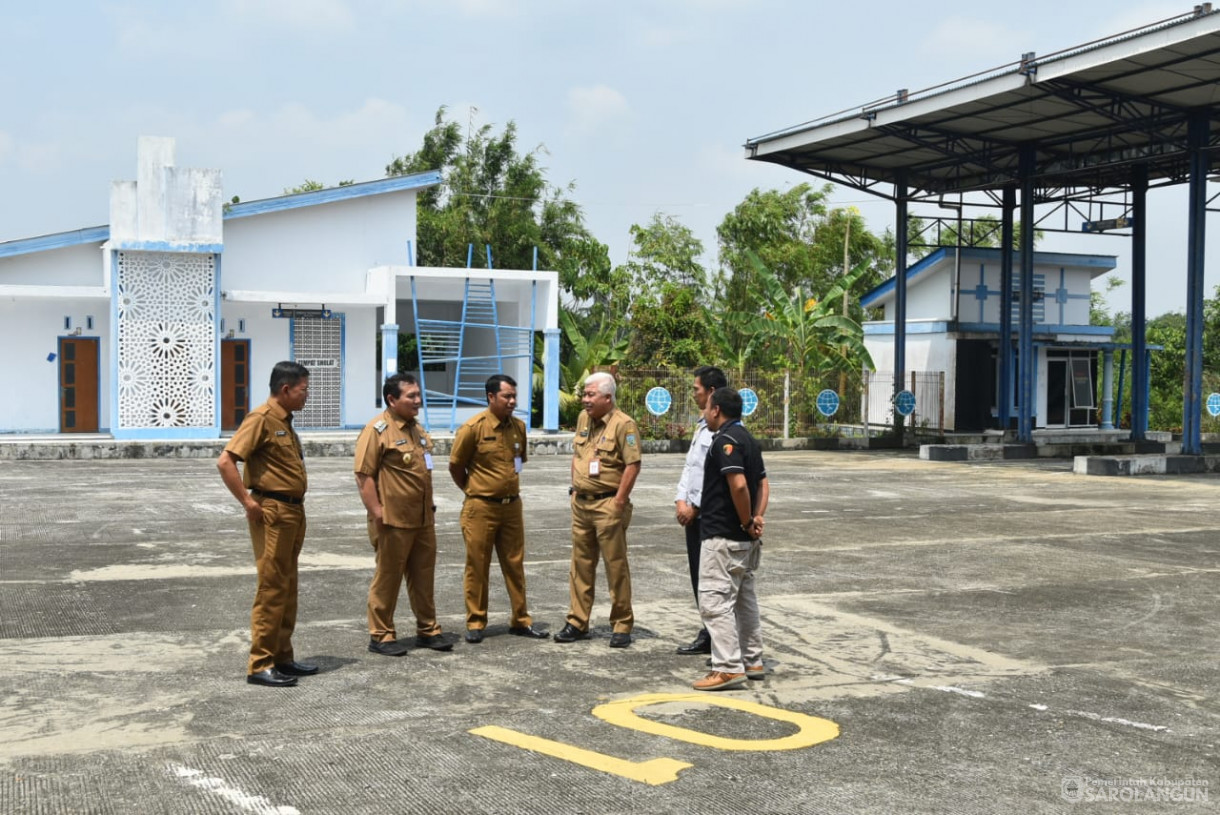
{"points": [[1088, 113]]}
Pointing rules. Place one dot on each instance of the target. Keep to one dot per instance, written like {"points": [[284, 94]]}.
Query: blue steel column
{"points": [[1192, 404], [1004, 394], [1026, 366], [389, 349], [900, 294], [1139, 324], [550, 381]]}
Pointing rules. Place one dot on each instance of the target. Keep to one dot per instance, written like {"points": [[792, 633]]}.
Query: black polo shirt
{"points": [[733, 450]]}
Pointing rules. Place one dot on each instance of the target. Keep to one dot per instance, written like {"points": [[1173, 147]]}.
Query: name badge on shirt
{"points": [[595, 466], [516, 464], [428, 461]]}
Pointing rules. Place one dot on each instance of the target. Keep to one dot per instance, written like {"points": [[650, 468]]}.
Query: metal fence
{"points": [[785, 402]]}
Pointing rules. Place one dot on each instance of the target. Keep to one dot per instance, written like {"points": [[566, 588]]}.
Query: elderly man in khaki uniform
{"points": [[485, 463], [271, 489], [394, 473], [604, 470]]}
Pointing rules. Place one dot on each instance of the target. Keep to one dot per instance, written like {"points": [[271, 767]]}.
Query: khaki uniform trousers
{"points": [[598, 528], [277, 545], [486, 526], [408, 554], [728, 603]]}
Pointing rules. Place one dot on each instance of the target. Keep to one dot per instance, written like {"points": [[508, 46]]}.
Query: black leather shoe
{"points": [[474, 635], [436, 642], [295, 668], [271, 678], [702, 644], [620, 640], [389, 648], [570, 633], [528, 631]]}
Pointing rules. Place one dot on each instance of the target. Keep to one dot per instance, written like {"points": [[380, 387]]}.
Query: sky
{"points": [[643, 105]]}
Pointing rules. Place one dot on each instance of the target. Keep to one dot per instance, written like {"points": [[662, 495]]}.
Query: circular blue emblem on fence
{"points": [[828, 402], [749, 401], [904, 403], [658, 401], [1213, 404]]}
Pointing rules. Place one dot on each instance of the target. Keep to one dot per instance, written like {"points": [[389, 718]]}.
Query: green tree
{"points": [[667, 321], [664, 251], [800, 240], [493, 194]]}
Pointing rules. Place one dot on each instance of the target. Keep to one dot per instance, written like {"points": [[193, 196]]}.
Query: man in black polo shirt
{"points": [[735, 494]]}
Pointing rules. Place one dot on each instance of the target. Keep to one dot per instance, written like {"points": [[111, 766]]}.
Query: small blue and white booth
{"points": [[953, 326]]}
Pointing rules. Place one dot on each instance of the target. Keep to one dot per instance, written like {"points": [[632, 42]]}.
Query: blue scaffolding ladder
{"points": [[479, 329]]}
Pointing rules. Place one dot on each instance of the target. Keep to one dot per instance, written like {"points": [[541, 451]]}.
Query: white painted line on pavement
{"points": [[250, 803], [973, 694]]}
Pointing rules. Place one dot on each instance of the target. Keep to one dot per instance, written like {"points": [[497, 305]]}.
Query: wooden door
{"points": [[234, 382], [78, 384]]}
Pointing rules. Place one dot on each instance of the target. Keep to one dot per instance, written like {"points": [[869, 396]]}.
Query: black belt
{"points": [[598, 496], [278, 496], [491, 500]]}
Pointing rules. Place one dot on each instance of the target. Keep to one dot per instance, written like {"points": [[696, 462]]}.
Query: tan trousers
{"points": [[598, 528], [487, 526], [277, 545], [728, 603], [408, 554]]}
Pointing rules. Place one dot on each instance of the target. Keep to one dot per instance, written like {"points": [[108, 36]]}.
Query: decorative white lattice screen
{"points": [[167, 339], [317, 344]]}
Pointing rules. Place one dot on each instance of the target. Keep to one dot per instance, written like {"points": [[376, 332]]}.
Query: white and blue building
{"points": [[953, 326], [166, 322]]}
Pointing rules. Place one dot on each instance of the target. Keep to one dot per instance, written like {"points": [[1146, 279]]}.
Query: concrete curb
{"points": [[1145, 465]]}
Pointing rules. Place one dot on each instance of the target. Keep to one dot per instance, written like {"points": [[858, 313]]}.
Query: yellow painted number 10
{"points": [[810, 731]]}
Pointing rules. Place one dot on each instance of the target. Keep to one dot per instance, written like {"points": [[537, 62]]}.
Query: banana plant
{"points": [[804, 332]]}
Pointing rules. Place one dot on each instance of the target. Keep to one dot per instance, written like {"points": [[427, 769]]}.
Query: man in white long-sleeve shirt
{"points": [[690, 491]]}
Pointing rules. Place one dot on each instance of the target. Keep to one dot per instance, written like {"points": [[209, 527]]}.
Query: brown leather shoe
{"points": [[719, 680], [758, 671]]}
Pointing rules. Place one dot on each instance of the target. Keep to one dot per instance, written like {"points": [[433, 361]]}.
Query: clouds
{"points": [[595, 108]]}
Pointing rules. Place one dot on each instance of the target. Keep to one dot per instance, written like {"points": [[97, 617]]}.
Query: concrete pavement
{"points": [[980, 637]]}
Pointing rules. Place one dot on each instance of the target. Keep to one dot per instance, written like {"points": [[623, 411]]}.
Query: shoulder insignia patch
{"points": [[631, 440], [728, 449], [380, 426]]}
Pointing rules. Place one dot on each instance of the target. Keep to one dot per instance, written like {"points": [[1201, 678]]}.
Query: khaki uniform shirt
{"points": [[396, 454], [271, 450], [614, 442], [485, 447]]}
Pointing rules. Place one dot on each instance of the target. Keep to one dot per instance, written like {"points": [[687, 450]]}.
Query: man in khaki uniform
{"points": [[604, 469], [394, 473], [485, 462], [271, 489]]}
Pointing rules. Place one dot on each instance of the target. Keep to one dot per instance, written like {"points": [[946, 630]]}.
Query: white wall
{"points": [[30, 403], [328, 247], [360, 386], [71, 266]]}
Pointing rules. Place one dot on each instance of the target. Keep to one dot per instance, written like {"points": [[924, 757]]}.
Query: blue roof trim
{"points": [[1106, 262], [417, 181], [170, 246], [57, 240]]}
